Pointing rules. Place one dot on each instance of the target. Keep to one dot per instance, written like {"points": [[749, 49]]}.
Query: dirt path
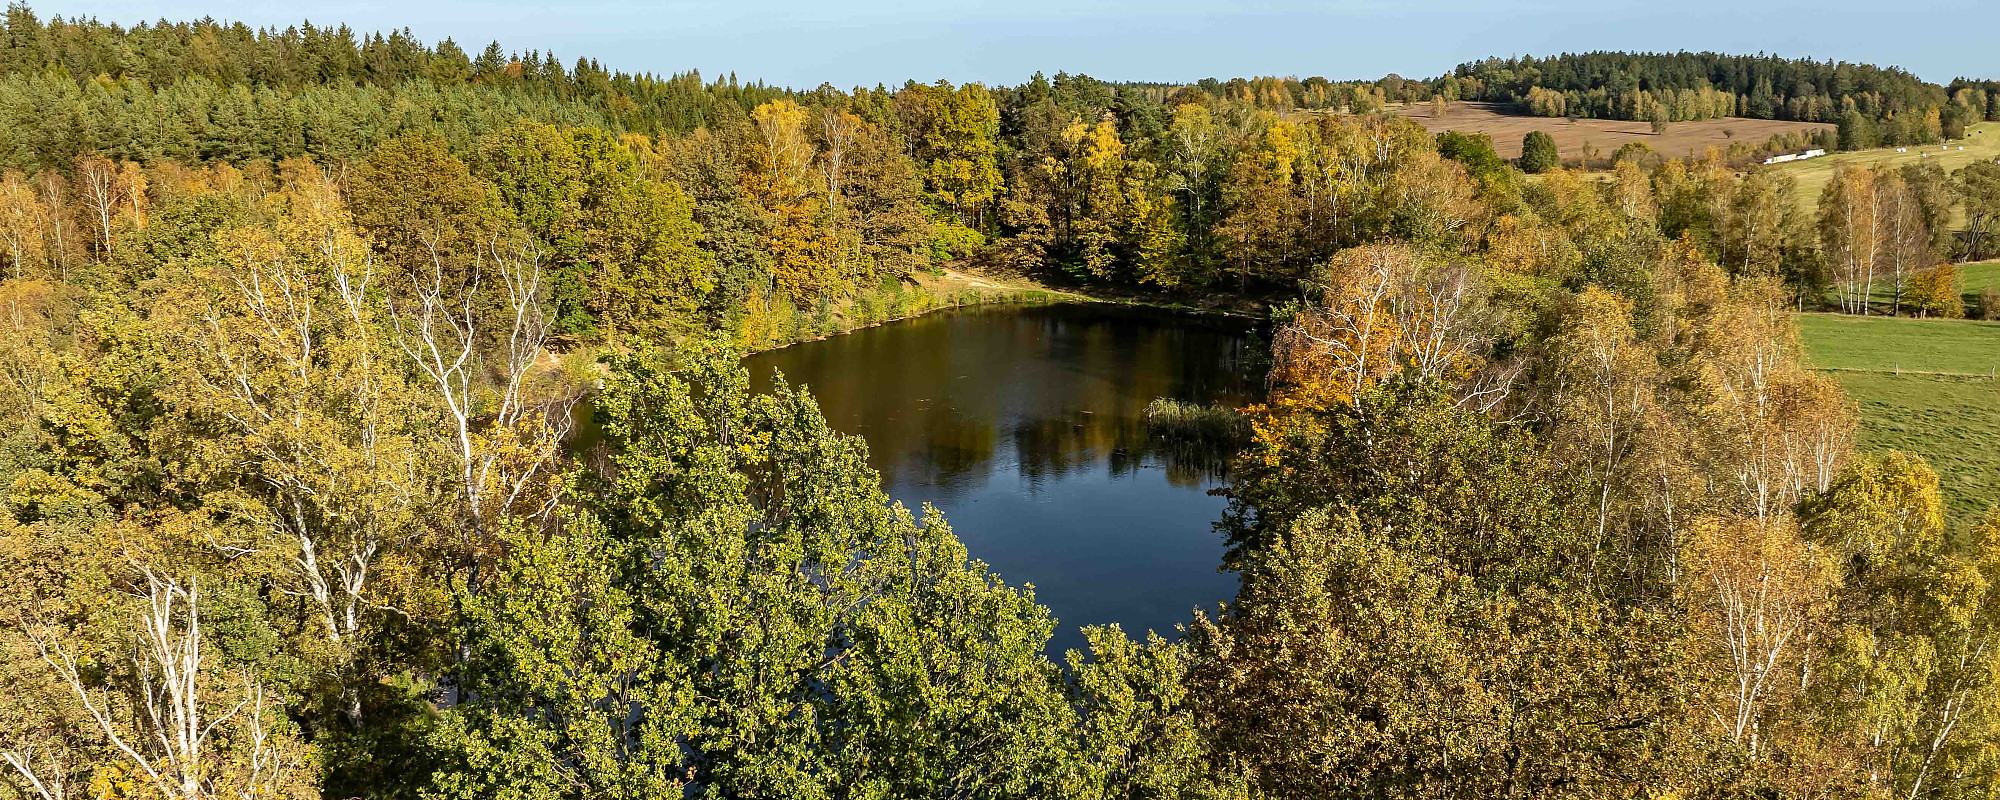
{"points": [[968, 279]]}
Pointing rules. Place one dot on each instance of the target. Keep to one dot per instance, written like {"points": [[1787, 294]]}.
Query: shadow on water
{"points": [[1027, 427]]}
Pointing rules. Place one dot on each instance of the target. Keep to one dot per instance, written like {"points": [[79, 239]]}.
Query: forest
{"points": [[1763, 87], [1542, 500]]}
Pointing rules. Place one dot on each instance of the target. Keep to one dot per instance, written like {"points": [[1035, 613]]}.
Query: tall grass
{"points": [[1183, 423]]}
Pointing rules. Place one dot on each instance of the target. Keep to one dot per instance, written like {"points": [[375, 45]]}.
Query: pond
{"points": [[1025, 425]]}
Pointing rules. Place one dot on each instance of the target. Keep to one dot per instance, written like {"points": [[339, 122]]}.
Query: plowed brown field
{"points": [[1681, 138]]}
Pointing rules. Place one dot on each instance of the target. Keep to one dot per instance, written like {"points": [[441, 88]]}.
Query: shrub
{"points": [[1632, 151], [1934, 292]]}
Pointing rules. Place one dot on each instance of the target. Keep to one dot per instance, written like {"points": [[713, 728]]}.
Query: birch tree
{"points": [[98, 187], [54, 193], [290, 357], [23, 220], [1605, 380], [1760, 588], [837, 131], [1907, 238], [1850, 234], [504, 453], [187, 729]]}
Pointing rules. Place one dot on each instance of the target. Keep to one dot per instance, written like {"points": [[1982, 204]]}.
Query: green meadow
{"points": [[1925, 387], [1981, 143]]}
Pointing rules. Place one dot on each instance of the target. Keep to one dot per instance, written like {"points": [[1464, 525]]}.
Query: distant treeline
{"points": [[806, 203], [207, 90], [1881, 105], [201, 91], [802, 201]]}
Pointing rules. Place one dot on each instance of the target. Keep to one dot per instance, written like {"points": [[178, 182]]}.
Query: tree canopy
{"points": [[373, 425]]}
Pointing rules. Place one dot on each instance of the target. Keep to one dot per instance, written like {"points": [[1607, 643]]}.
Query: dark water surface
{"points": [[1025, 426]]}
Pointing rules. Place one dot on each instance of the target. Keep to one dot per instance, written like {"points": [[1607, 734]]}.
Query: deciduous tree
{"points": [[1538, 153]]}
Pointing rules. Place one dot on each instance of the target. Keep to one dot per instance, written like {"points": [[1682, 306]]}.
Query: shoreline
{"points": [[1025, 292]]}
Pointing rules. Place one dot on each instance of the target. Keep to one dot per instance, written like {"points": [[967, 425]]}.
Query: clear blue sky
{"points": [[855, 42]]}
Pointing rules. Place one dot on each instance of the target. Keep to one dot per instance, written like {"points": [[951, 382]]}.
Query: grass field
{"points": [[1978, 277], [1953, 422], [1943, 405], [1981, 143], [1883, 344], [1681, 138]]}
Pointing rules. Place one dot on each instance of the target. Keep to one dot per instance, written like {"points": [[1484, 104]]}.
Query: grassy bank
{"points": [[775, 325], [768, 326], [1975, 278], [1952, 421]]}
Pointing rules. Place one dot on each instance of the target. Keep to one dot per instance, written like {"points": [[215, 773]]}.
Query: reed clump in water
{"points": [[1183, 423]]}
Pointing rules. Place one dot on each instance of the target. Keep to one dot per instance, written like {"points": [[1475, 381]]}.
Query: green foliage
{"points": [[1474, 150], [1857, 132], [1540, 477], [738, 610], [951, 241], [1436, 557], [425, 211], [1632, 151], [624, 249], [1978, 185], [1538, 153], [1685, 85], [1461, 469], [959, 147], [232, 92]]}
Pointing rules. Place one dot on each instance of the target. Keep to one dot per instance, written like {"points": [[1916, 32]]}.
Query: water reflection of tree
{"points": [[948, 449], [1050, 448], [1193, 465], [1059, 389], [1053, 446]]}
